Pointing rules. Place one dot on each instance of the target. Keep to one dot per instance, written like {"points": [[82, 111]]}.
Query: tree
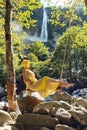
{"points": [[11, 83], [85, 3]]}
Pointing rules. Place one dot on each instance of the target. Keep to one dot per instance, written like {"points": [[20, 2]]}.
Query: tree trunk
{"points": [[11, 85], [85, 3]]}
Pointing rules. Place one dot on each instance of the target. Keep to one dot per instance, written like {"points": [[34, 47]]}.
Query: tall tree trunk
{"points": [[85, 3], [11, 84]]}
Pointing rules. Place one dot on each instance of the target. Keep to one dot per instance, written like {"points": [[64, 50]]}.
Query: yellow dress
{"points": [[43, 89]]}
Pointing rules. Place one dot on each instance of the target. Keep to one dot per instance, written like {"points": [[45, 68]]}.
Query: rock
{"points": [[47, 105], [19, 126], [80, 114], [37, 120], [37, 95], [65, 97], [85, 128], [14, 115], [63, 127], [44, 128], [63, 115], [42, 111], [82, 102], [27, 102], [65, 105], [8, 127], [4, 117]]}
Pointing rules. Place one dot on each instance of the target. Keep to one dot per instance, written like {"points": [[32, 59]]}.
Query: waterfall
{"points": [[44, 32]]}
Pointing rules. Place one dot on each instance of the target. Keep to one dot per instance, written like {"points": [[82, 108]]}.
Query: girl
{"points": [[45, 86]]}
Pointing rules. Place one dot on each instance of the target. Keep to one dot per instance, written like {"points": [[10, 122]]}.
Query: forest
{"points": [[64, 56]]}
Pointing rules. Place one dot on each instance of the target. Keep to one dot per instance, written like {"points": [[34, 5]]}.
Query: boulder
{"points": [[4, 117], [80, 114], [14, 115], [63, 115], [19, 126], [32, 120], [65, 105], [27, 102], [85, 128], [63, 127], [64, 97], [43, 111], [47, 105], [82, 102]]}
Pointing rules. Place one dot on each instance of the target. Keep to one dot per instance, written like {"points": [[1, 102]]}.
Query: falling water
{"points": [[44, 32]]}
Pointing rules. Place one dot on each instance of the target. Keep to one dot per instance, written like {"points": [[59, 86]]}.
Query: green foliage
{"points": [[32, 57], [40, 68], [23, 10], [40, 50], [76, 53], [56, 15], [61, 17]]}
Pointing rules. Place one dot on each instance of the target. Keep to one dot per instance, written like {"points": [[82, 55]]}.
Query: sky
{"points": [[55, 2], [62, 3]]}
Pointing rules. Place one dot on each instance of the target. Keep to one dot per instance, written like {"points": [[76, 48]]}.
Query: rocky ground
{"points": [[57, 112]]}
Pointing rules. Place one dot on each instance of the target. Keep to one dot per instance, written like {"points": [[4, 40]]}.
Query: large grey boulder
{"points": [[37, 120]]}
